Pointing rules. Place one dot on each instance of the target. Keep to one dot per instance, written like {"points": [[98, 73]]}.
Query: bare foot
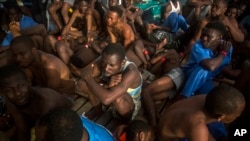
{"points": [[160, 45]]}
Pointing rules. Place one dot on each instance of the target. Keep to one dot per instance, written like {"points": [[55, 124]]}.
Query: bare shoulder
{"points": [[50, 96], [51, 61], [197, 131], [126, 28], [45, 93], [131, 68]]}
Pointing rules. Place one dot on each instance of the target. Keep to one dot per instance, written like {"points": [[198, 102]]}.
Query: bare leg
{"points": [[138, 49], [64, 51], [160, 45], [49, 44], [124, 105], [160, 85], [65, 12], [52, 10]]}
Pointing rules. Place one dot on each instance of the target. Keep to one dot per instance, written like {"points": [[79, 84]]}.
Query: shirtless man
{"points": [[42, 69], [189, 118], [132, 14], [64, 5], [26, 102], [120, 32], [115, 81], [218, 10], [87, 23]]}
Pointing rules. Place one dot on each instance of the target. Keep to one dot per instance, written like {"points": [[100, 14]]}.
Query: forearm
{"points": [[38, 29], [99, 91], [213, 63], [236, 34]]}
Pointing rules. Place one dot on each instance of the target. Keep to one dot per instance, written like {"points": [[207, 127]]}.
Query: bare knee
{"points": [[53, 8], [61, 47], [124, 105]]}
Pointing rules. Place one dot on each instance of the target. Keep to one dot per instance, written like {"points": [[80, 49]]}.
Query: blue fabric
{"points": [[7, 39], [198, 79], [96, 132], [25, 22], [174, 22], [217, 129]]}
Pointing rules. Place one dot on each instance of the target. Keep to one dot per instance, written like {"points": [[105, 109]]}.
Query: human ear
{"points": [[123, 62], [221, 117], [141, 136]]}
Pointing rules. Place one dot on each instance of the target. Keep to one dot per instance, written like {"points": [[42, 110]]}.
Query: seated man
{"points": [[113, 80], [24, 25], [173, 19], [120, 32], [201, 117], [26, 102], [65, 125], [42, 69], [218, 10], [132, 15], [207, 59], [64, 5], [86, 23]]}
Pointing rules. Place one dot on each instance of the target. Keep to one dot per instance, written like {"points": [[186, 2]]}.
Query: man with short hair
{"points": [[113, 80], [26, 102], [197, 117], [42, 69], [218, 10], [207, 58], [65, 125], [120, 32]]}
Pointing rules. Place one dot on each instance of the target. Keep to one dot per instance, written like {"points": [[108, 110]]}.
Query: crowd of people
{"points": [[111, 55]]}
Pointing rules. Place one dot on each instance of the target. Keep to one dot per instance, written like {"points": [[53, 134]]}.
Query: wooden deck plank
{"points": [[105, 118], [85, 108], [78, 103]]}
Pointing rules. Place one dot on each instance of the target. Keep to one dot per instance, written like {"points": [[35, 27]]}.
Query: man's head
{"points": [[14, 85], [138, 130], [126, 3], [113, 59], [219, 7], [60, 125], [242, 8], [113, 3], [82, 6], [232, 11], [23, 50], [15, 13], [212, 34], [225, 103], [114, 16]]}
